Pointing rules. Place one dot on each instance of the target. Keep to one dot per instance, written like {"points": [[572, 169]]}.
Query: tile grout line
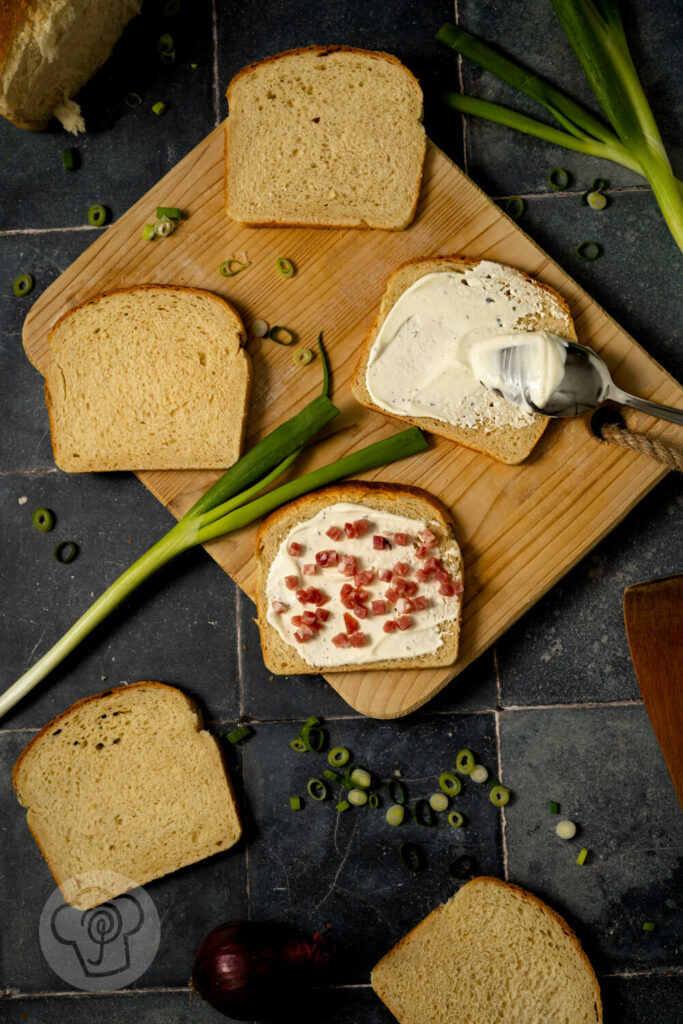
{"points": [[238, 608], [566, 194], [499, 759], [28, 472], [47, 231], [214, 42], [461, 85]]}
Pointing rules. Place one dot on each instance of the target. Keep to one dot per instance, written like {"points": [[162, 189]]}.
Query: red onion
{"points": [[245, 969]]}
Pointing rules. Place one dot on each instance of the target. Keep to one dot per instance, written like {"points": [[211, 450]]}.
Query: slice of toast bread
{"points": [[284, 656], [502, 441], [126, 782], [327, 137]]}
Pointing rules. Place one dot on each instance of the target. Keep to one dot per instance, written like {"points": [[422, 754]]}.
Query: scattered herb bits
{"points": [[97, 215], [295, 803], [565, 829], [240, 734], [558, 178], [43, 520], [303, 357], [465, 762], [449, 783], [66, 551], [285, 267], [411, 856], [456, 819], [22, 285], [499, 796], [515, 207]]}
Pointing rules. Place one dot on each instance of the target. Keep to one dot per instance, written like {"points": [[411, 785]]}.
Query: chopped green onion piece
{"points": [[171, 8], [411, 855], [596, 200], [338, 756], [285, 267], [581, 859], [438, 802], [374, 800], [449, 783], [97, 215], [599, 185], [344, 805], [566, 829], [66, 552], [295, 803], [282, 335], [588, 251], [358, 797], [397, 791], [43, 520], [168, 58], [461, 867], [456, 819], [69, 159], [298, 745], [515, 207], [149, 232], [395, 814], [158, 108], [239, 734], [479, 773], [649, 926], [231, 267], [165, 227], [165, 43], [194, 66], [361, 778], [131, 99], [259, 328], [317, 789], [313, 720], [326, 369], [423, 813], [313, 738], [554, 807], [332, 776], [558, 178], [172, 212], [22, 285], [303, 357], [499, 796], [465, 762]]}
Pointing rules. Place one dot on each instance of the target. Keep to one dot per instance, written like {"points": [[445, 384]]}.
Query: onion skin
{"points": [[245, 969]]}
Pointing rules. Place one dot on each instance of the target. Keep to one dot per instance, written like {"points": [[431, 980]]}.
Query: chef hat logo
{"points": [[103, 947]]}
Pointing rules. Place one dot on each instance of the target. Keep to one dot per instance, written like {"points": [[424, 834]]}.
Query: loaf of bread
{"points": [[48, 51], [494, 954], [393, 606], [485, 422], [126, 782], [325, 136], [149, 377]]}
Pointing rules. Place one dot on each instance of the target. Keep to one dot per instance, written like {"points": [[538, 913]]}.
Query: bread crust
{"points": [[352, 491], [434, 426], [528, 897], [321, 51]]}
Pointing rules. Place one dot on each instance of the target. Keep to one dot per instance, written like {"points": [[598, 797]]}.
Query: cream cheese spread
{"points": [[431, 601], [527, 365], [419, 363]]}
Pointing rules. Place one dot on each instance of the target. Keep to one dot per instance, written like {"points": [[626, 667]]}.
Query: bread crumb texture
{"points": [[494, 954], [129, 782], [325, 137]]}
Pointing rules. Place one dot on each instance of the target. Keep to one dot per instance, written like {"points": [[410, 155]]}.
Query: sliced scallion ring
{"points": [[361, 777], [558, 178], [43, 520], [357, 797], [395, 814], [515, 207], [599, 185], [22, 285], [158, 108], [499, 796], [171, 8], [281, 335], [374, 800], [338, 757], [411, 856], [285, 267], [239, 734], [168, 58], [449, 784], [588, 251], [303, 357], [149, 232], [317, 789], [313, 738], [438, 802], [231, 267], [566, 829], [97, 215], [479, 773], [461, 867], [295, 803], [66, 551], [344, 805], [465, 761], [397, 791], [259, 328], [165, 43], [456, 819], [596, 200], [298, 745], [165, 227], [131, 99], [423, 813]]}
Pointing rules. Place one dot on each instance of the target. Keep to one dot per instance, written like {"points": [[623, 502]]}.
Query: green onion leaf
{"points": [[479, 773], [43, 520], [239, 734], [22, 285]]}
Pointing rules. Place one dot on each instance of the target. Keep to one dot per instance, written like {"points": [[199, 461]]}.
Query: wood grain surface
{"points": [[520, 527]]}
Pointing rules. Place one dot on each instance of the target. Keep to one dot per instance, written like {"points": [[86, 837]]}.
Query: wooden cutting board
{"points": [[521, 528]]}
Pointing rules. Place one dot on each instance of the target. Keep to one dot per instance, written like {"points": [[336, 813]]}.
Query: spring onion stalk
{"points": [[232, 499], [596, 33]]}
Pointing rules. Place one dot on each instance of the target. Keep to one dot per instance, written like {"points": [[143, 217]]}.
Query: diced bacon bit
{"points": [[350, 530], [309, 618], [362, 526], [401, 569], [379, 543], [361, 595], [291, 582], [457, 586], [423, 575], [310, 569], [361, 611], [293, 549], [384, 574], [401, 539], [447, 589], [357, 639], [322, 614], [441, 576], [378, 607], [317, 597], [432, 564], [391, 594], [390, 626], [404, 622], [347, 566], [404, 605], [326, 559], [346, 590], [400, 585], [341, 640], [422, 551], [302, 634], [350, 623], [334, 533], [411, 588], [429, 539], [364, 577], [419, 604], [278, 607], [302, 596], [297, 620]]}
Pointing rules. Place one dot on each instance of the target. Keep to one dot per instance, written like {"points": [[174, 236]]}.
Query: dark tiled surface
{"points": [[188, 626], [604, 768]]}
